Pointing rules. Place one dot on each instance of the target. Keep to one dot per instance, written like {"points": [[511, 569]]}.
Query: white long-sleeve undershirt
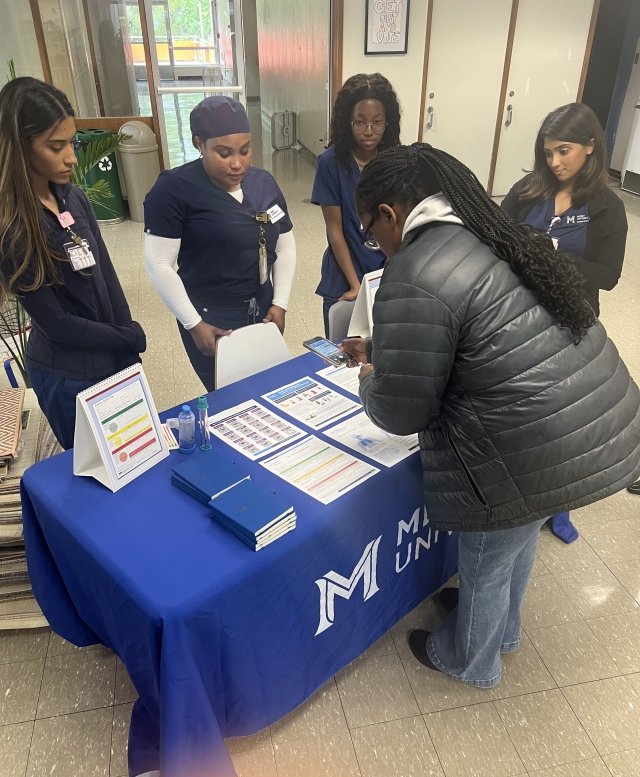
{"points": [[161, 255]]}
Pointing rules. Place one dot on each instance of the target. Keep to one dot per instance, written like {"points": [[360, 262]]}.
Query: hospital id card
{"points": [[80, 256]]}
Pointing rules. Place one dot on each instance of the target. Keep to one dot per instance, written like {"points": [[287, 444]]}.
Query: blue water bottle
{"points": [[186, 430]]}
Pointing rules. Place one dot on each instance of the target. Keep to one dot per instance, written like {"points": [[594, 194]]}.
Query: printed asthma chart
{"points": [[363, 436], [312, 403]]}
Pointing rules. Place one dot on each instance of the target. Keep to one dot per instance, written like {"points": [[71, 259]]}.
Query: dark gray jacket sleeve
{"points": [[414, 346]]}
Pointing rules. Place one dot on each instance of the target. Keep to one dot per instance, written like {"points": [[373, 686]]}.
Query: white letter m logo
{"points": [[333, 584]]}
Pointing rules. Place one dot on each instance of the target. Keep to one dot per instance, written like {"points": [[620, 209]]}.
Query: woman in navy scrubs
{"points": [[567, 197], [366, 118], [53, 257], [225, 223]]}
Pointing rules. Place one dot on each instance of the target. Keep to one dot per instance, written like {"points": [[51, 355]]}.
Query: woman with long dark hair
{"points": [[365, 120], [53, 258], [484, 344], [567, 197]]}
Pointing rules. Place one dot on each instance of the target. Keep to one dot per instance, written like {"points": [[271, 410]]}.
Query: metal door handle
{"points": [[509, 115], [429, 123]]}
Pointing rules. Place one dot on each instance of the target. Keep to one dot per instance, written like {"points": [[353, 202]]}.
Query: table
{"points": [[220, 640]]}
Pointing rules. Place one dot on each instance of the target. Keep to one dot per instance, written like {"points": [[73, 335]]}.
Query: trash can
{"points": [[110, 210], [140, 166]]}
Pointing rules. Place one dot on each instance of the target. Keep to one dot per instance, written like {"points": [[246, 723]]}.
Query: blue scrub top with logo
{"points": [[218, 259], [571, 229], [334, 185]]}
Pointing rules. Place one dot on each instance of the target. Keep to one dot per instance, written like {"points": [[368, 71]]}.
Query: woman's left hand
{"points": [[276, 315], [364, 371]]}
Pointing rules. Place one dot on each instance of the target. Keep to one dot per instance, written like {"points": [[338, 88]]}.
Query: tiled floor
{"points": [[569, 701]]}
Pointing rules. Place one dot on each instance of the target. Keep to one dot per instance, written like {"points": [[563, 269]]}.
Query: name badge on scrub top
{"points": [[66, 219], [80, 256], [275, 213]]}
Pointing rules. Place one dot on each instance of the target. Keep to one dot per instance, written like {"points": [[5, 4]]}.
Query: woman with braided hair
{"points": [[365, 119], [484, 344]]}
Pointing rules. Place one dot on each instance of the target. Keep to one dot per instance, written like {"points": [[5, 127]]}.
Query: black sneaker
{"points": [[634, 488], [448, 598], [418, 646]]}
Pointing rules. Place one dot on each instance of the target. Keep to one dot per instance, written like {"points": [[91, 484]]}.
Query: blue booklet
{"points": [[206, 474], [250, 509]]}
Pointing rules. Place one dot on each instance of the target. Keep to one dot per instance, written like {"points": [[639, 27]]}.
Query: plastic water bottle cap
{"points": [[186, 409]]}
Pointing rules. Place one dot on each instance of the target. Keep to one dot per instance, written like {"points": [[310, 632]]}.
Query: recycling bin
{"points": [[140, 165], [111, 210]]}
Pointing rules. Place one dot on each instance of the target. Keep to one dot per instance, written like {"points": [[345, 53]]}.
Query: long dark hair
{"points": [[28, 107], [573, 123], [408, 174], [363, 86]]}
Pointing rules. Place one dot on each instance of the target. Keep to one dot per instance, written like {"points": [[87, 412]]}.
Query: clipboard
{"points": [[361, 324], [118, 433]]}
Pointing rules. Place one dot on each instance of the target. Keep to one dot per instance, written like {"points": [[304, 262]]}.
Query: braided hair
{"points": [[362, 87], [408, 174]]}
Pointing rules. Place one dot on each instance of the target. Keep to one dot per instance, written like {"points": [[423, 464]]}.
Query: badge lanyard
{"points": [[77, 250], [262, 217]]}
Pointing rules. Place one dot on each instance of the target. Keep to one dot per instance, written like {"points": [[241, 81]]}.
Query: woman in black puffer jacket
{"points": [[483, 343]]}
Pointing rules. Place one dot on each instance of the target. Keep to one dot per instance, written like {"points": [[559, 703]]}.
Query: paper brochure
{"points": [[313, 403], [361, 324], [344, 377], [118, 433], [363, 436]]}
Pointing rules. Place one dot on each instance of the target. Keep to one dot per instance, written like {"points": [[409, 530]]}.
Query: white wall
{"points": [[251, 64], [18, 40], [403, 70]]}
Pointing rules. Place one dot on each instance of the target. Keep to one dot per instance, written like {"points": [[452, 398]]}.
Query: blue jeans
{"points": [[494, 570]]}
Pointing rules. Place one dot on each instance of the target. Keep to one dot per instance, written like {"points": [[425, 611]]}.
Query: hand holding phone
{"points": [[327, 351]]}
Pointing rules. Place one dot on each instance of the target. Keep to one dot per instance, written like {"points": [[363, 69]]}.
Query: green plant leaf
{"points": [[91, 155]]}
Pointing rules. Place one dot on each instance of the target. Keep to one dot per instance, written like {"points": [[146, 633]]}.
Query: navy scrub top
{"points": [[218, 258], [569, 229], [334, 185]]}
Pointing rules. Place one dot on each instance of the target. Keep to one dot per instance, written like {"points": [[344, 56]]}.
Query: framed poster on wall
{"points": [[386, 26]]}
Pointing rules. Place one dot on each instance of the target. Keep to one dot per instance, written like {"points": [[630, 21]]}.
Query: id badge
{"points": [[79, 256], [275, 213], [262, 265]]}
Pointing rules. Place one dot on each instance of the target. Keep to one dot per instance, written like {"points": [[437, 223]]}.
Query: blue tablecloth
{"points": [[220, 640]]}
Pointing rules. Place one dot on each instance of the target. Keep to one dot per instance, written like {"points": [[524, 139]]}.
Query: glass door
{"points": [[196, 49]]}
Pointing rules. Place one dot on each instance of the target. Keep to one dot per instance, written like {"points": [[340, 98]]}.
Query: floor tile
{"points": [[319, 715], [620, 634], [259, 762], [396, 747], [20, 684], [23, 645], [72, 745], [473, 741], [544, 730], [331, 756], [559, 557], [256, 741], [375, 690], [523, 671], [75, 682], [609, 710], [602, 511], [628, 573], [15, 741], [572, 653], [595, 767], [58, 646], [120, 739], [624, 764], [124, 688], [595, 591], [546, 604], [613, 541]]}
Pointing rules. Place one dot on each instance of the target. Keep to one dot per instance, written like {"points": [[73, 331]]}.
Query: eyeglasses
{"points": [[377, 127], [368, 240]]}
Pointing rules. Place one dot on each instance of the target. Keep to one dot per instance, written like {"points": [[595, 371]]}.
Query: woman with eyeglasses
{"points": [[568, 199], [366, 119], [53, 258], [484, 345]]}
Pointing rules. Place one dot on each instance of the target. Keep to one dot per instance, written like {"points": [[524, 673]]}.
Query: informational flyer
{"points": [[253, 430], [319, 469], [363, 436], [344, 377], [118, 434], [312, 403]]}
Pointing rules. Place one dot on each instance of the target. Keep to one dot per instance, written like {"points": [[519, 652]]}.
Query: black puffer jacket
{"points": [[516, 421]]}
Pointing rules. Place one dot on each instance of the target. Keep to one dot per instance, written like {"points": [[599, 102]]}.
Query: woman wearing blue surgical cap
{"points": [[225, 224]]}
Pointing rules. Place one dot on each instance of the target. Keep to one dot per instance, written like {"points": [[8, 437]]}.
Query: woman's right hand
{"points": [[205, 336], [356, 350], [350, 295]]}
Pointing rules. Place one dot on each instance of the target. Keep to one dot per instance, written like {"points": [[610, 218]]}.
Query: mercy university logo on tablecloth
{"points": [[333, 584]]}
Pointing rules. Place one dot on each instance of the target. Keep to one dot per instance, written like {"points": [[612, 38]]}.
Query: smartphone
{"points": [[326, 350]]}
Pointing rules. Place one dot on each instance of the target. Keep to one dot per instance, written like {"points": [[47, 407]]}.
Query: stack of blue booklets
{"points": [[254, 514]]}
